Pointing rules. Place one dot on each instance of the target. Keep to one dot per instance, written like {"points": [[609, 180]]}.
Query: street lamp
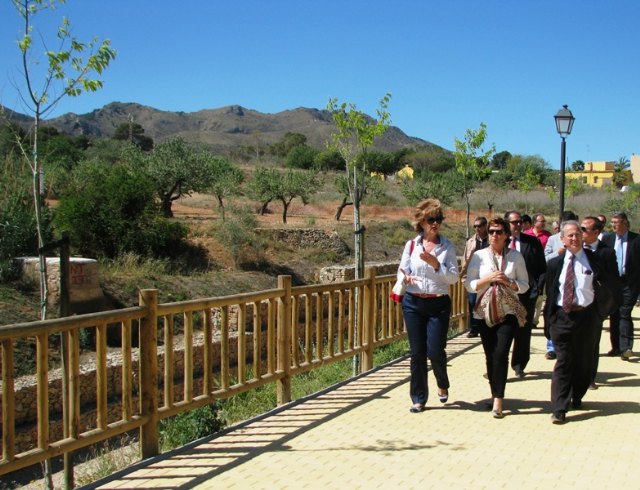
{"points": [[564, 123]]}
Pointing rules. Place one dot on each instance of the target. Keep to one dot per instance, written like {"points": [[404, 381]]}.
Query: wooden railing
{"points": [[228, 345]]}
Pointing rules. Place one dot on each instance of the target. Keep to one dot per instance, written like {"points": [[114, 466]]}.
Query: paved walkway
{"points": [[361, 435]]}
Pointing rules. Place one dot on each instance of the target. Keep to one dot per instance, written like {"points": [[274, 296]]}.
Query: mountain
{"points": [[221, 129]]}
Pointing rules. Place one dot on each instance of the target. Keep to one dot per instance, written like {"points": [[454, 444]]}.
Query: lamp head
{"points": [[564, 121]]}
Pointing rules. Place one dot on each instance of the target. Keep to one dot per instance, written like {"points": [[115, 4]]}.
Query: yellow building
{"points": [[598, 174], [405, 173]]}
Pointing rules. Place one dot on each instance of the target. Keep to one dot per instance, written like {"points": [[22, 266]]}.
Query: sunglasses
{"points": [[434, 220], [516, 222], [479, 226], [493, 231], [585, 229]]}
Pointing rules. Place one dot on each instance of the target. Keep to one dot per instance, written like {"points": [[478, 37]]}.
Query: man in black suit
{"points": [[626, 245], [533, 254], [591, 228], [578, 299]]}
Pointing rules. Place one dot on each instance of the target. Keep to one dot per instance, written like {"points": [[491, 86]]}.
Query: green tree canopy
{"points": [[226, 180], [177, 170], [134, 134], [269, 184]]}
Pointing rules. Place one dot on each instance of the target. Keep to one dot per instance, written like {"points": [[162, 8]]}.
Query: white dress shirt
{"points": [[583, 282]]}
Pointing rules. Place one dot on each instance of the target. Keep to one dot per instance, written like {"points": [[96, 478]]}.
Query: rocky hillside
{"points": [[220, 129]]}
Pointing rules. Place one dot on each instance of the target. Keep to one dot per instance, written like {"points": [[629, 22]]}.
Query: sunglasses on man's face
{"points": [[585, 229], [493, 231], [434, 220], [479, 226], [516, 222]]}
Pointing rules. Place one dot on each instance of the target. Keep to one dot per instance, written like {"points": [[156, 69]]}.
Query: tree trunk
{"points": [[344, 204], [221, 206], [167, 212], [264, 208]]}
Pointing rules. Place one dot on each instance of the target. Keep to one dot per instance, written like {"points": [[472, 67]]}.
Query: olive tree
{"points": [[226, 180], [177, 170], [269, 184]]}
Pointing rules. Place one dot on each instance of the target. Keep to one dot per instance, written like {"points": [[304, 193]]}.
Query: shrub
{"points": [[17, 218], [302, 156], [189, 426], [110, 210], [239, 237]]}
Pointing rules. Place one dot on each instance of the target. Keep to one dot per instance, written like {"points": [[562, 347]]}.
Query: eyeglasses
{"points": [[479, 226], [493, 231], [435, 220], [516, 222]]}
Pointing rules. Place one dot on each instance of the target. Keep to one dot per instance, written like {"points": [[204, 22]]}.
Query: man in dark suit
{"points": [[533, 254], [578, 299], [591, 228], [626, 245]]}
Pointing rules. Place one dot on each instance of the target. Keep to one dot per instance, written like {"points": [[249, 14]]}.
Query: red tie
{"points": [[569, 291], [512, 245]]}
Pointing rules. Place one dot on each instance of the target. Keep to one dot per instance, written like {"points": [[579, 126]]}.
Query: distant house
{"points": [[598, 174], [405, 173], [635, 168]]}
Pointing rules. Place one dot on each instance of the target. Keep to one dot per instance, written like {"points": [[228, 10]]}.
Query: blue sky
{"points": [[449, 64]]}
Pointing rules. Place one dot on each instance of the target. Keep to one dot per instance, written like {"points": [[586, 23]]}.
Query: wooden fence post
{"points": [[283, 335], [369, 327], [148, 374]]}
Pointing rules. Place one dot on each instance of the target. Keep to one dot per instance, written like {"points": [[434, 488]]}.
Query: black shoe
{"points": [[471, 335], [520, 373], [444, 396], [576, 404], [614, 352], [593, 386], [417, 408], [550, 355], [558, 418]]}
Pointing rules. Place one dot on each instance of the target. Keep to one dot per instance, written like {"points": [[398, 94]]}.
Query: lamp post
{"points": [[564, 123]]}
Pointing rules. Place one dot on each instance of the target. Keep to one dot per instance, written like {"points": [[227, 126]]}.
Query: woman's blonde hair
{"points": [[428, 208]]}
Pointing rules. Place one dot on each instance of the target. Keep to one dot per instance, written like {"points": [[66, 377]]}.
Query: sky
{"points": [[449, 65]]}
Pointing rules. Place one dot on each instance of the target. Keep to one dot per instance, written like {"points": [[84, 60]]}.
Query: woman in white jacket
{"points": [[498, 266], [428, 266]]}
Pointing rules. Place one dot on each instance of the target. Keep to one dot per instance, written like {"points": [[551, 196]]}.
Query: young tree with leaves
{"points": [[472, 163], [354, 135], [226, 180], [269, 184], [47, 78]]}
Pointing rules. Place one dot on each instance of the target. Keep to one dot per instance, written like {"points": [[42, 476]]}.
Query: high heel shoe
{"points": [[443, 396]]}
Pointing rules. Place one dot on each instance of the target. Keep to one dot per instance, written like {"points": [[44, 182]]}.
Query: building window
{"points": [[584, 179], [595, 179]]}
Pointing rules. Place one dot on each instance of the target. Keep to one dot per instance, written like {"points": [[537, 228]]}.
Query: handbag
{"points": [[400, 288]]}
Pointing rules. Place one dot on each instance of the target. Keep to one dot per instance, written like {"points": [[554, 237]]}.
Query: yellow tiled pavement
{"points": [[361, 435]]}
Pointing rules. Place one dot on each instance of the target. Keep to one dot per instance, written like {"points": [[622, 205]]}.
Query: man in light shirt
{"points": [[578, 298]]}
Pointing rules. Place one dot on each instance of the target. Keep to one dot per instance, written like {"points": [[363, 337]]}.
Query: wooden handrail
{"points": [[226, 350]]}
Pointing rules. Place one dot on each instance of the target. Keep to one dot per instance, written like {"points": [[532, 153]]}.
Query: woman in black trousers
{"points": [[493, 267]]}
